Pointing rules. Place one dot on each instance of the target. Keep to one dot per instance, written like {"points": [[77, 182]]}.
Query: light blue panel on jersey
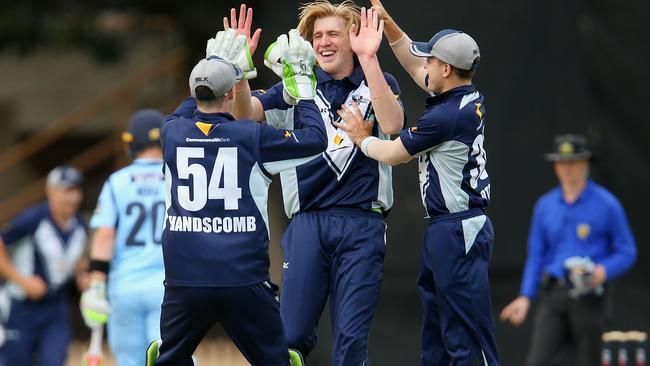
{"points": [[133, 202]]}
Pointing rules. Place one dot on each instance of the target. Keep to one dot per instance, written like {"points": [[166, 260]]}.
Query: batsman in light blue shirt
{"points": [[126, 248]]}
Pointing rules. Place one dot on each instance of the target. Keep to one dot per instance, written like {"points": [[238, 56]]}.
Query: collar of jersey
{"points": [[582, 196], [460, 90], [212, 117], [355, 78]]}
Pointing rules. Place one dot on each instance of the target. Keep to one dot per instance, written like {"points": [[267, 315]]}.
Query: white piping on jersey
{"points": [[258, 183], [337, 156], [22, 257], [280, 118], [484, 359], [468, 98], [59, 262], [471, 228], [275, 167], [385, 184], [290, 194], [168, 193], [423, 176], [449, 159]]}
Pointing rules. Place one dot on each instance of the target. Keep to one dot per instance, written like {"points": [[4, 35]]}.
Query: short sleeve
{"points": [[105, 214], [21, 226], [430, 131]]}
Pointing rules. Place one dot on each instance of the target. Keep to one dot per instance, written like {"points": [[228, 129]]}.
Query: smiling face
{"points": [[332, 46]]}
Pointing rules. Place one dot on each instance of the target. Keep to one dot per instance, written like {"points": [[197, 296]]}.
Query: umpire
{"points": [[579, 240]]}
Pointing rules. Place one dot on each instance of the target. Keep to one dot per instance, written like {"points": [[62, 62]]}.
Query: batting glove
{"points": [[232, 47], [293, 60], [94, 305]]}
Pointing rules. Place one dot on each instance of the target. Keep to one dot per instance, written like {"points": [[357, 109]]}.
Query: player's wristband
{"points": [[99, 266], [365, 143]]}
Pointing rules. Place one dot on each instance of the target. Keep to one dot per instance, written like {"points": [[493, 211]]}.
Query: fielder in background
{"points": [[40, 251], [448, 141], [126, 247], [335, 243], [579, 240], [215, 241]]}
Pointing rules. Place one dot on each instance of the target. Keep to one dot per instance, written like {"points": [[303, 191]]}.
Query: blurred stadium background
{"points": [[72, 72]]}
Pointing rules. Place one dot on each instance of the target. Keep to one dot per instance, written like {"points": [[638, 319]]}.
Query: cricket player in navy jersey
{"points": [[334, 245], [579, 241], [215, 240], [126, 248], [39, 254], [448, 141]]}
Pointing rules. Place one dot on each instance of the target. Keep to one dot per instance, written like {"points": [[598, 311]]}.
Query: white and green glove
{"points": [[293, 60], [94, 305], [231, 46]]}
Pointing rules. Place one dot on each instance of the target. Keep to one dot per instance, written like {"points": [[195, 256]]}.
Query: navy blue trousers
{"points": [[336, 253], [248, 314], [455, 293], [38, 333]]}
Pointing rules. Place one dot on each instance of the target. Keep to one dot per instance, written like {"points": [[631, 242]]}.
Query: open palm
{"points": [[366, 42], [243, 25]]}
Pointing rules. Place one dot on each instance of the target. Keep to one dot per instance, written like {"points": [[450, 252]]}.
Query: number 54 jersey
{"points": [[217, 173]]}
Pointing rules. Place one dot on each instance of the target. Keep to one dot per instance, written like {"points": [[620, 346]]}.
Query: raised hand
{"points": [[378, 7], [243, 25], [353, 123], [232, 47], [366, 43], [292, 58]]}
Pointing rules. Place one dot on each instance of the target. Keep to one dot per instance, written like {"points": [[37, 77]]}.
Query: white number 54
{"points": [[224, 165]]}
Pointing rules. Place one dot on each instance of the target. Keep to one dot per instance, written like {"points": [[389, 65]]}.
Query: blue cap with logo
{"points": [[64, 176], [144, 129], [452, 47]]}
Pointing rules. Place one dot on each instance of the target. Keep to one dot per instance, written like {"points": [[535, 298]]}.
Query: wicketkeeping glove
{"points": [[232, 47], [94, 305], [293, 59]]}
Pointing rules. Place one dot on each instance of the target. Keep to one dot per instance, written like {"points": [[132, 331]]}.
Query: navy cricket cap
{"points": [[144, 129], [64, 176], [450, 46], [569, 147]]}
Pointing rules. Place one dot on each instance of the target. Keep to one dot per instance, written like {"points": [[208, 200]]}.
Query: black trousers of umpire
{"points": [[561, 320]]}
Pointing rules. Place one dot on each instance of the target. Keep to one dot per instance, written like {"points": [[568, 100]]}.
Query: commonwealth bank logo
{"points": [[206, 128]]}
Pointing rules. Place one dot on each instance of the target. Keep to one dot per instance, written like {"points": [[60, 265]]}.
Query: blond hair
{"points": [[347, 10]]}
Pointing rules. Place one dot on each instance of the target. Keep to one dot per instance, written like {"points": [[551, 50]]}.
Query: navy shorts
{"points": [[455, 293], [38, 333], [250, 315], [335, 253]]}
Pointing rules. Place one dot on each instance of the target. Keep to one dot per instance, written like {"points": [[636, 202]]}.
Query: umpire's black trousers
{"points": [[562, 320]]}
